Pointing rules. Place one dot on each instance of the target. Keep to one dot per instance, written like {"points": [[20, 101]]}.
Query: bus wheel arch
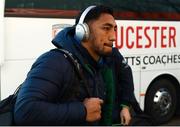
{"points": [[161, 98]]}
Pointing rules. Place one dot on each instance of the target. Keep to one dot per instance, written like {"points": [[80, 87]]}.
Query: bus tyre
{"points": [[160, 101]]}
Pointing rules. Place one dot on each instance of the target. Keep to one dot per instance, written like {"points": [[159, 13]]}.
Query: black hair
{"points": [[95, 13]]}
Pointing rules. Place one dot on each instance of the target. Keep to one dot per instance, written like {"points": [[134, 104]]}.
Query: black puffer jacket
{"points": [[40, 100]]}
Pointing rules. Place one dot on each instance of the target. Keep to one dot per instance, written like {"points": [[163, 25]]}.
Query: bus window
{"points": [[46, 8], [124, 9]]}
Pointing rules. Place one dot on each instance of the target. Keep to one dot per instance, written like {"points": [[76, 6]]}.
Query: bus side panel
{"points": [[25, 40], [13, 73], [150, 48], [1, 32]]}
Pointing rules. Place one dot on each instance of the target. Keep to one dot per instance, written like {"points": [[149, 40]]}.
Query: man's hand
{"points": [[125, 116], [93, 108]]}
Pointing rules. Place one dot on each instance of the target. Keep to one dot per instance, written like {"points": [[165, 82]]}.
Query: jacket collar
{"points": [[65, 39]]}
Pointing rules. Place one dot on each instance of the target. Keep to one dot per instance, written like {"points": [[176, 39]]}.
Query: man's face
{"points": [[102, 35]]}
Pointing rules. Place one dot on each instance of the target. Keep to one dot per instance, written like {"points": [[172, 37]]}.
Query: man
{"points": [[42, 100]]}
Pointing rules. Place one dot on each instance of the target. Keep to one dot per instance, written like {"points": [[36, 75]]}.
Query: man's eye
{"points": [[106, 28]]}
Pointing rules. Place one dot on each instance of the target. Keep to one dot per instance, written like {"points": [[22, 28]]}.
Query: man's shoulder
{"points": [[116, 54], [53, 54], [119, 58], [116, 51], [52, 59]]}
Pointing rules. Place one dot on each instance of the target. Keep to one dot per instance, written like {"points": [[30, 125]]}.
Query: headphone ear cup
{"points": [[87, 31], [82, 32]]}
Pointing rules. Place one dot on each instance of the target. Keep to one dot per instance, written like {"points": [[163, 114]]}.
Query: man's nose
{"points": [[112, 36]]}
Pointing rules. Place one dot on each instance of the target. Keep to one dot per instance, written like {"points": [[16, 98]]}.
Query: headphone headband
{"points": [[81, 20], [82, 29]]}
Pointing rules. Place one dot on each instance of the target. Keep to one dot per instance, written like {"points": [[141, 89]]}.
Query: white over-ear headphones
{"points": [[82, 29]]}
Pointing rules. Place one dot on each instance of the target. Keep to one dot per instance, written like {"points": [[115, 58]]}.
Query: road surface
{"points": [[175, 121]]}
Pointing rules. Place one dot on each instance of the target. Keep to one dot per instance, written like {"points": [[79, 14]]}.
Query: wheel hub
{"points": [[162, 101]]}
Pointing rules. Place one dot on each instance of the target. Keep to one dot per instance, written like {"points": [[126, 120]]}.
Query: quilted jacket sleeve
{"points": [[37, 99]]}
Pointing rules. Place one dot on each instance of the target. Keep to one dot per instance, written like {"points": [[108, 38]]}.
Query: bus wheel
{"points": [[160, 101]]}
